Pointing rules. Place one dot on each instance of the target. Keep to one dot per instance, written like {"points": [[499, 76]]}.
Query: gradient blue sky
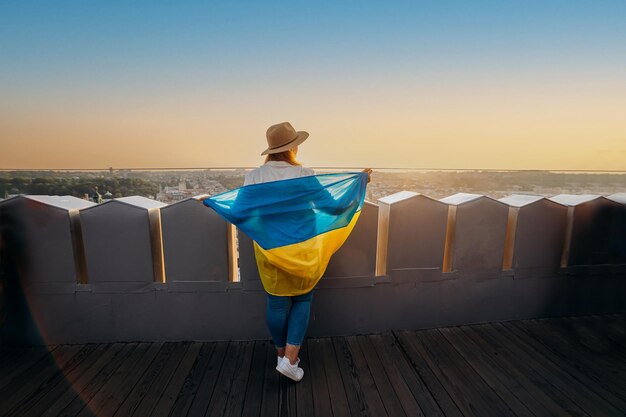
{"points": [[482, 84]]}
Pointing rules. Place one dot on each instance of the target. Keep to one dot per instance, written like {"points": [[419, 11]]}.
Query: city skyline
{"points": [[447, 85]]}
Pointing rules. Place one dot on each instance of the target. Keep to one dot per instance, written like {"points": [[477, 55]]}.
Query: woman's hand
{"points": [[369, 174]]}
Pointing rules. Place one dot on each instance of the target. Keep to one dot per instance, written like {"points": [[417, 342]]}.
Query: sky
{"points": [[479, 84]]}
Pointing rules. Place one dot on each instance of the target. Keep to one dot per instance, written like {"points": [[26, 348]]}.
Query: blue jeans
{"points": [[288, 326]]}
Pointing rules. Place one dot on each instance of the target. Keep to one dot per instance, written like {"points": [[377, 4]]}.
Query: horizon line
{"points": [[314, 167]]}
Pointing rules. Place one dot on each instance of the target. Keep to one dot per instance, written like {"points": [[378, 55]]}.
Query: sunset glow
{"points": [[488, 84]]}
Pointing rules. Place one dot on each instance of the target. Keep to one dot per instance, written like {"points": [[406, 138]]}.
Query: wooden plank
{"points": [[352, 386], [201, 401], [618, 321], [91, 383], [482, 374], [610, 331], [600, 337], [271, 388], [217, 406], [254, 391], [290, 391], [30, 358], [584, 395], [319, 385], [78, 385], [152, 397], [147, 392], [57, 382], [141, 388], [385, 389], [577, 368], [177, 386], [614, 323], [565, 366], [617, 324], [181, 390], [283, 397], [30, 354], [592, 337], [287, 402], [337, 392], [597, 344], [439, 393], [121, 382], [500, 379], [615, 330], [304, 388], [366, 381], [598, 367], [467, 389], [387, 346], [577, 331], [237, 394], [396, 380], [35, 378], [536, 386], [39, 407], [532, 367], [287, 405], [584, 371], [125, 382]]}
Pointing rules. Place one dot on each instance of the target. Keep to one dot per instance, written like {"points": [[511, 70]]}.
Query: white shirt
{"points": [[276, 170]]}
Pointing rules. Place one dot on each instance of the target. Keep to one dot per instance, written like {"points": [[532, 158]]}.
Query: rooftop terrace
{"points": [[132, 307]]}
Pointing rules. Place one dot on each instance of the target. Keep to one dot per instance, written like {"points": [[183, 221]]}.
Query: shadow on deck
{"points": [[565, 366]]}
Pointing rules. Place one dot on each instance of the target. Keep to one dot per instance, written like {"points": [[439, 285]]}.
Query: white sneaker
{"points": [[293, 372], [280, 358]]}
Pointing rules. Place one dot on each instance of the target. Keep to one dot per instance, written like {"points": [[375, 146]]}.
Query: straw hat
{"points": [[283, 136]]}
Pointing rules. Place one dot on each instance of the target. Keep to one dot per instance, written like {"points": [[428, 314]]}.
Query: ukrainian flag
{"points": [[296, 224]]}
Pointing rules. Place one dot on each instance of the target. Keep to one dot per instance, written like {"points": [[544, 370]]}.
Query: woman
{"points": [[287, 327]]}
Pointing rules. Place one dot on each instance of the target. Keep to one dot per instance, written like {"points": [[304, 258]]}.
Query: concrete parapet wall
{"points": [[133, 270], [195, 247]]}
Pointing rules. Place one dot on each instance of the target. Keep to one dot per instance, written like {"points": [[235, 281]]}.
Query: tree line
{"points": [[77, 187]]}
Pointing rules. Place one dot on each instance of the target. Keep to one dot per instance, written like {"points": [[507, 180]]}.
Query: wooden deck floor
{"points": [[565, 367]]}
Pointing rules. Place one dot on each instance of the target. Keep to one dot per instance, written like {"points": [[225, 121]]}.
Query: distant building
{"points": [[169, 194]]}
